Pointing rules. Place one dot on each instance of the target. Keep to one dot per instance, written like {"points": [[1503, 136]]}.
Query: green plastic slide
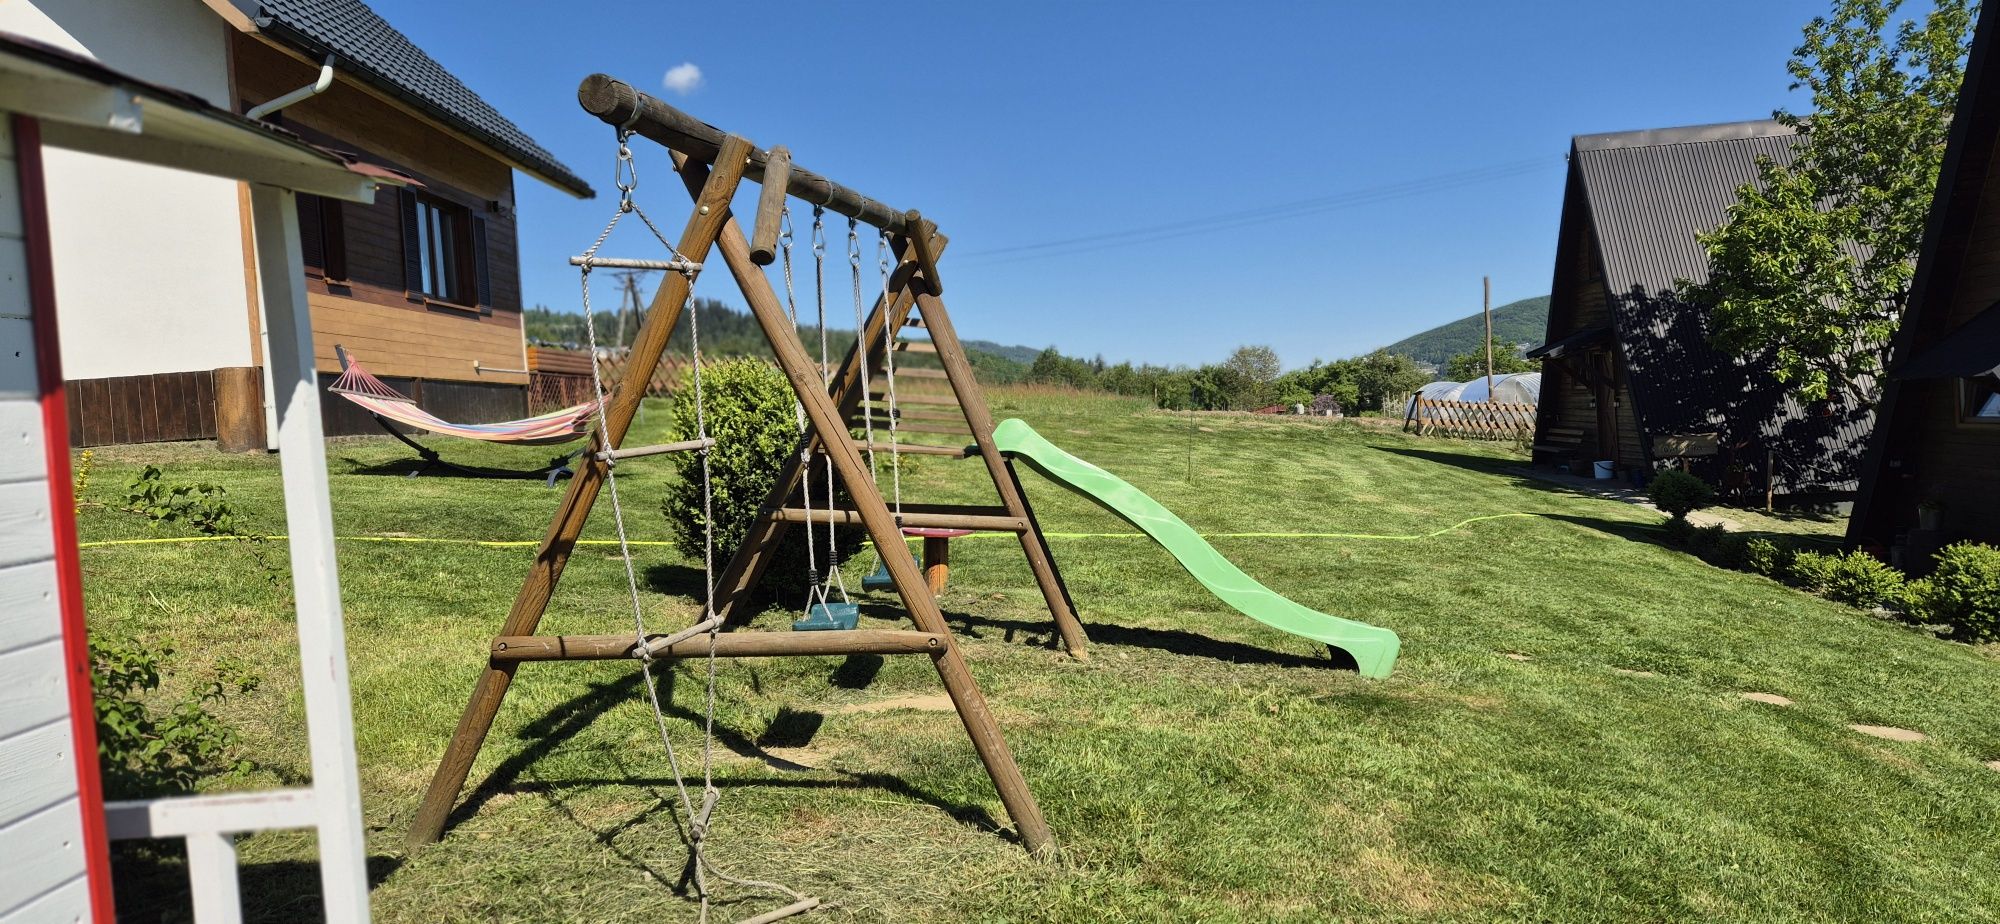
{"points": [[1372, 647]]}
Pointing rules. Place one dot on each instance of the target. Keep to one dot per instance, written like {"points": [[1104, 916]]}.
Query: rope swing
{"points": [[700, 816]]}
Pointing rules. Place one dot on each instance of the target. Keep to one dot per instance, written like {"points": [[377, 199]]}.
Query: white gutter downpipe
{"points": [[313, 89], [263, 329]]}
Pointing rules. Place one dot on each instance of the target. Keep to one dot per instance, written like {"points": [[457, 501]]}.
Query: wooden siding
{"points": [[41, 832], [1567, 402], [437, 343], [141, 408]]}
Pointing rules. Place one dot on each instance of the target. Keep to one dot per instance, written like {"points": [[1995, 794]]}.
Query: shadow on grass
{"points": [[150, 883], [792, 729], [418, 467], [1042, 634]]}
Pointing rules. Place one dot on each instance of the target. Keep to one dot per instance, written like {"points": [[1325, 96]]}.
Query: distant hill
{"points": [[1024, 355], [1521, 323]]}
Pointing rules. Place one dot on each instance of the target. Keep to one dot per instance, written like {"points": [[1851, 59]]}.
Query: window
{"points": [[322, 237], [1979, 400], [442, 233]]}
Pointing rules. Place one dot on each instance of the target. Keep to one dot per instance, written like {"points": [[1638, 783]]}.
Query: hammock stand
{"points": [[386, 404]]}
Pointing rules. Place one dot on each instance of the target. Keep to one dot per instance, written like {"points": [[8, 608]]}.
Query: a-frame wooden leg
{"points": [[827, 421], [958, 370], [710, 214]]}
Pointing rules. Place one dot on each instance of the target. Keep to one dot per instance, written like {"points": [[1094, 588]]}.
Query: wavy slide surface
{"points": [[1372, 647]]}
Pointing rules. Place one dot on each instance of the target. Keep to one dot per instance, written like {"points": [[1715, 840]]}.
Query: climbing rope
{"points": [[889, 374], [699, 818]]}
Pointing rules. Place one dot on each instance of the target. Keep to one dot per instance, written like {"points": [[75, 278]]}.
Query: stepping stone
{"points": [[1892, 733], [1517, 656], [1772, 699], [1632, 673], [1993, 765]]}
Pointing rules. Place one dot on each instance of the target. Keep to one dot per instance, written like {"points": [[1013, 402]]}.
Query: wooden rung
{"points": [[913, 321], [910, 518], [915, 346], [922, 373], [770, 206], [638, 451], [911, 449], [727, 645], [673, 266], [934, 428], [881, 415], [932, 399]]}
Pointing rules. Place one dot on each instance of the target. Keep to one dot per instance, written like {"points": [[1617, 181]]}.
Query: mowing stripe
{"points": [[522, 543]]}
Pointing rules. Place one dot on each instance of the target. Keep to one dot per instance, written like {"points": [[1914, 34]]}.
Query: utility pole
{"points": [[1486, 308], [629, 301]]}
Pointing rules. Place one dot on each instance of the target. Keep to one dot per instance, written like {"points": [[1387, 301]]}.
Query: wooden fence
{"points": [[1471, 420], [561, 378]]}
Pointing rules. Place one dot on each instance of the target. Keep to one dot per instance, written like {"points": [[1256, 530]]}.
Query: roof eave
{"points": [[291, 40]]}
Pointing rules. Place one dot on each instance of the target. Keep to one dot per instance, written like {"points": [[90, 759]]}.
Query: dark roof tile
{"points": [[367, 47]]}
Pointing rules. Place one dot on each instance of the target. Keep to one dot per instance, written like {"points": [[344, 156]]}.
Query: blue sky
{"points": [[1323, 177]]}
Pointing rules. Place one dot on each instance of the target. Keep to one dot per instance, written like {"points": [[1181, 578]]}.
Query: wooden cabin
{"points": [[422, 285], [1629, 375], [1938, 440]]}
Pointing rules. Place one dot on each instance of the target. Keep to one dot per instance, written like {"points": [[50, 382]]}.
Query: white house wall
{"points": [[148, 261], [41, 832]]}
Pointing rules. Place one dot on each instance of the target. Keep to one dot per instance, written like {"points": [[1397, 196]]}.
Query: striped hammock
{"points": [[376, 397]]}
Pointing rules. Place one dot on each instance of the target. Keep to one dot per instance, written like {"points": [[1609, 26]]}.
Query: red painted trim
{"points": [[62, 506]]}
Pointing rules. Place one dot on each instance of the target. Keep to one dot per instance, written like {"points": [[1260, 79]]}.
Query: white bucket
{"points": [[1604, 470]]}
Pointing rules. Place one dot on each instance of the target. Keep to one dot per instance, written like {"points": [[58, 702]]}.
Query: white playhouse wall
{"points": [[41, 829], [185, 289]]}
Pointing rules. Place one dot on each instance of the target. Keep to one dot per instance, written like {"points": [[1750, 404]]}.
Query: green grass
{"points": [[1198, 767]]}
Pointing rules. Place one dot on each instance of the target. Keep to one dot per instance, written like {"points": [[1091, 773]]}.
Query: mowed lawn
{"points": [[1563, 740]]}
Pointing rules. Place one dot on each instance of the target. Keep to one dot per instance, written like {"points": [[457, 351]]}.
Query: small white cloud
{"points": [[683, 78]]}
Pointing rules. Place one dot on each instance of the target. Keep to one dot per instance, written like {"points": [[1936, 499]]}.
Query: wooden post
{"points": [[937, 563], [920, 240], [770, 207], [711, 211], [1486, 309], [951, 353], [829, 424], [239, 409]]}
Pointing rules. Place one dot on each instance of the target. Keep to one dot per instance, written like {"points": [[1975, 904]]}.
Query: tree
{"points": [[1382, 377], [1252, 370], [1784, 275], [1468, 366]]}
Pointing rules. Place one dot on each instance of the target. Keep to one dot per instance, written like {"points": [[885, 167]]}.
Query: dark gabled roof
{"points": [[1556, 349], [1969, 351], [1651, 192], [366, 47], [1645, 198], [1954, 215]]}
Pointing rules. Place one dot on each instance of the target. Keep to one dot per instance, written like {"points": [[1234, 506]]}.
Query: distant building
{"points": [[1938, 442], [1629, 374], [423, 285]]}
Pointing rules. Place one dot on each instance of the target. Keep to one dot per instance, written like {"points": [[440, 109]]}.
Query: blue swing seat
{"points": [[823, 617], [880, 579]]}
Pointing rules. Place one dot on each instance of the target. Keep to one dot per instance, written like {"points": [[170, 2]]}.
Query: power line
{"points": [[1242, 218]]}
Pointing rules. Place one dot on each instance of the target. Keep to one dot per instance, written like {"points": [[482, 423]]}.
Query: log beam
{"points": [[515, 648]]}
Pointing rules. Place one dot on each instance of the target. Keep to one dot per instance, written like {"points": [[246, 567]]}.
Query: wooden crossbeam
{"points": [[839, 517], [959, 430], [517, 648], [914, 449], [915, 346], [921, 373]]}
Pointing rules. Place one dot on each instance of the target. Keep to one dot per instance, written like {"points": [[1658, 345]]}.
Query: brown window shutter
{"points": [[480, 270], [413, 260], [333, 227], [312, 238]]}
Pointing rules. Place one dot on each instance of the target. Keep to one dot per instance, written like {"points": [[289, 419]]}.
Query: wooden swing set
{"points": [[711, 165]]}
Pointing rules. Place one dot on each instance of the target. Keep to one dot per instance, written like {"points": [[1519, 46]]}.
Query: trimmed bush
{"points": [[1680, 532], [1963, 592], [1811, 571], [1705, 540], [1860, 580], [1762, 556], [749, 407], [1679, 493]]}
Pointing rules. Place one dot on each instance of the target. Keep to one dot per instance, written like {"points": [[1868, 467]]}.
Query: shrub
{"points": [[1679, 493], [749, 410], [1860, 580], [1764, 557], [1963, 592], [1680, 532], [1705, 540], [1732, 551], [1811, 571], [143, 753]]}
